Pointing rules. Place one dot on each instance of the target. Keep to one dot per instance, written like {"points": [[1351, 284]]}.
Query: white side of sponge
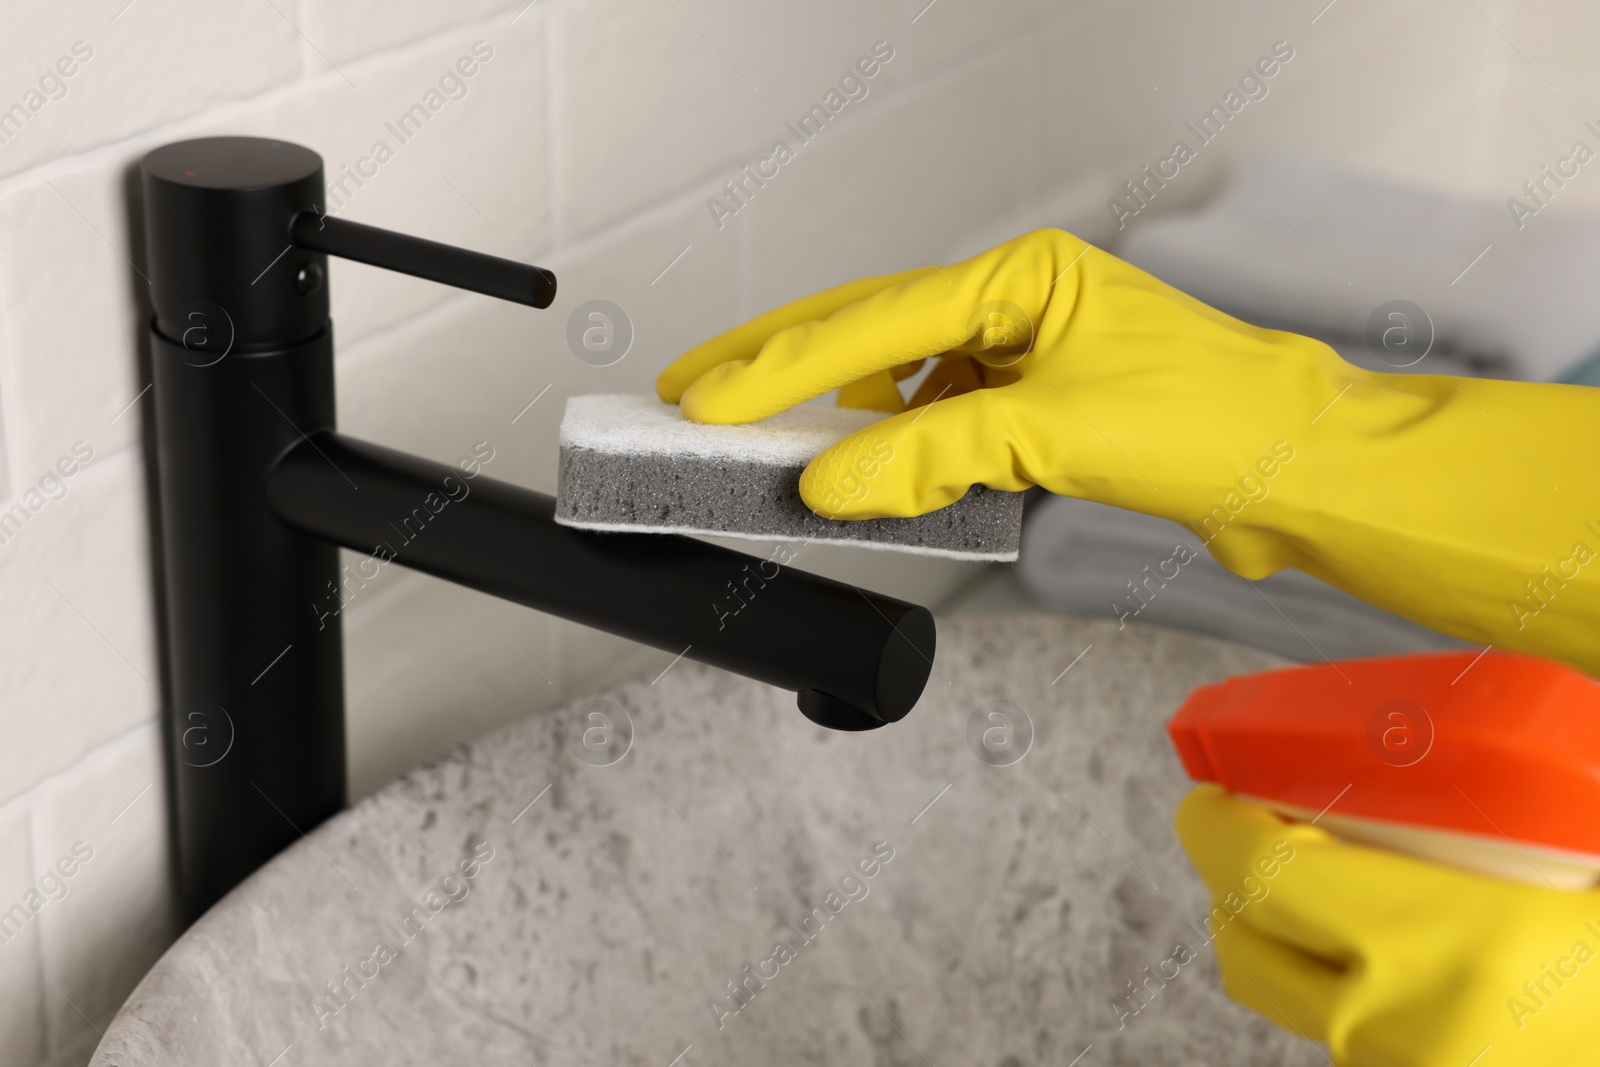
{"points": [[626, 424]]}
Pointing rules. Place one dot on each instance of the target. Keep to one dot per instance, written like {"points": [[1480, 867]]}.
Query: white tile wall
{"points": [[719, 86], [79, 667], [864, 199], [942, 34], [116, 916], [448, 651], [139, 65], [591, 142], [342, 30], [71, 316]]}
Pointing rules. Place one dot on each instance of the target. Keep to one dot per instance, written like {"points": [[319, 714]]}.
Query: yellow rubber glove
{"points": [[1394, 962], [1471, 506]]}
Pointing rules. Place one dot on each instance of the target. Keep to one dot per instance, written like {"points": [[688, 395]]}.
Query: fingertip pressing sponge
{"points": [[635, 464]]}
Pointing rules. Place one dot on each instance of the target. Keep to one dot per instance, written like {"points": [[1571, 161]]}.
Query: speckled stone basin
{"points": [[525, 900]]}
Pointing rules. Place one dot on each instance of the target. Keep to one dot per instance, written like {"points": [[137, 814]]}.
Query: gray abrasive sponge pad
{"points": [[635, 464]]}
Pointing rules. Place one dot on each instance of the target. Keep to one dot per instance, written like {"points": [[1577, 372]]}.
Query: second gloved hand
{"points": [[1393, 961]]}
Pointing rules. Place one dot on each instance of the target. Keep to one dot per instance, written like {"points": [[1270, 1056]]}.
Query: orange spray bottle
{"points": [[1488, 761]]}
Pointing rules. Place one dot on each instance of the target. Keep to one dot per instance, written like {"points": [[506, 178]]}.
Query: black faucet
{"points": [[258, 491]]}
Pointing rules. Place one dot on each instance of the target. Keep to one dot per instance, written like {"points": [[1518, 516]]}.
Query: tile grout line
{"points": [[60, 777]]}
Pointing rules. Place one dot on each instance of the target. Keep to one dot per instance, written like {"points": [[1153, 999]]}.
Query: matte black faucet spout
{"points": [[258, 491], [858, 660]]}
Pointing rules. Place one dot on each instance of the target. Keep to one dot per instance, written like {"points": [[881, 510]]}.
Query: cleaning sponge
{"points": [[633, 463]]}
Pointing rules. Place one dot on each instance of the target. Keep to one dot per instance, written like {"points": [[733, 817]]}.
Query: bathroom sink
{"points": [[885, 897]]}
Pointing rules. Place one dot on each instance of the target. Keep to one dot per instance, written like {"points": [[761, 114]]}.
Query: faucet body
{"points": [[258, 491]]}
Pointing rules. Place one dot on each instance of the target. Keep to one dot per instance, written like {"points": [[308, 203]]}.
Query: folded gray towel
{"points": [[1092, 560]]}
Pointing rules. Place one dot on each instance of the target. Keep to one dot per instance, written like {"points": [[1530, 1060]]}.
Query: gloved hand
{"points": [[1103, 403], [1392, 961], [1062, 366]]}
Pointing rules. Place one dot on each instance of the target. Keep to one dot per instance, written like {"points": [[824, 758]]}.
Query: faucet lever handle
{"points": [[521, 283]]}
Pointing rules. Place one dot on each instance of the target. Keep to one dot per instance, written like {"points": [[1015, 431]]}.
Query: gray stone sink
{"points": [[526, 901]]}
